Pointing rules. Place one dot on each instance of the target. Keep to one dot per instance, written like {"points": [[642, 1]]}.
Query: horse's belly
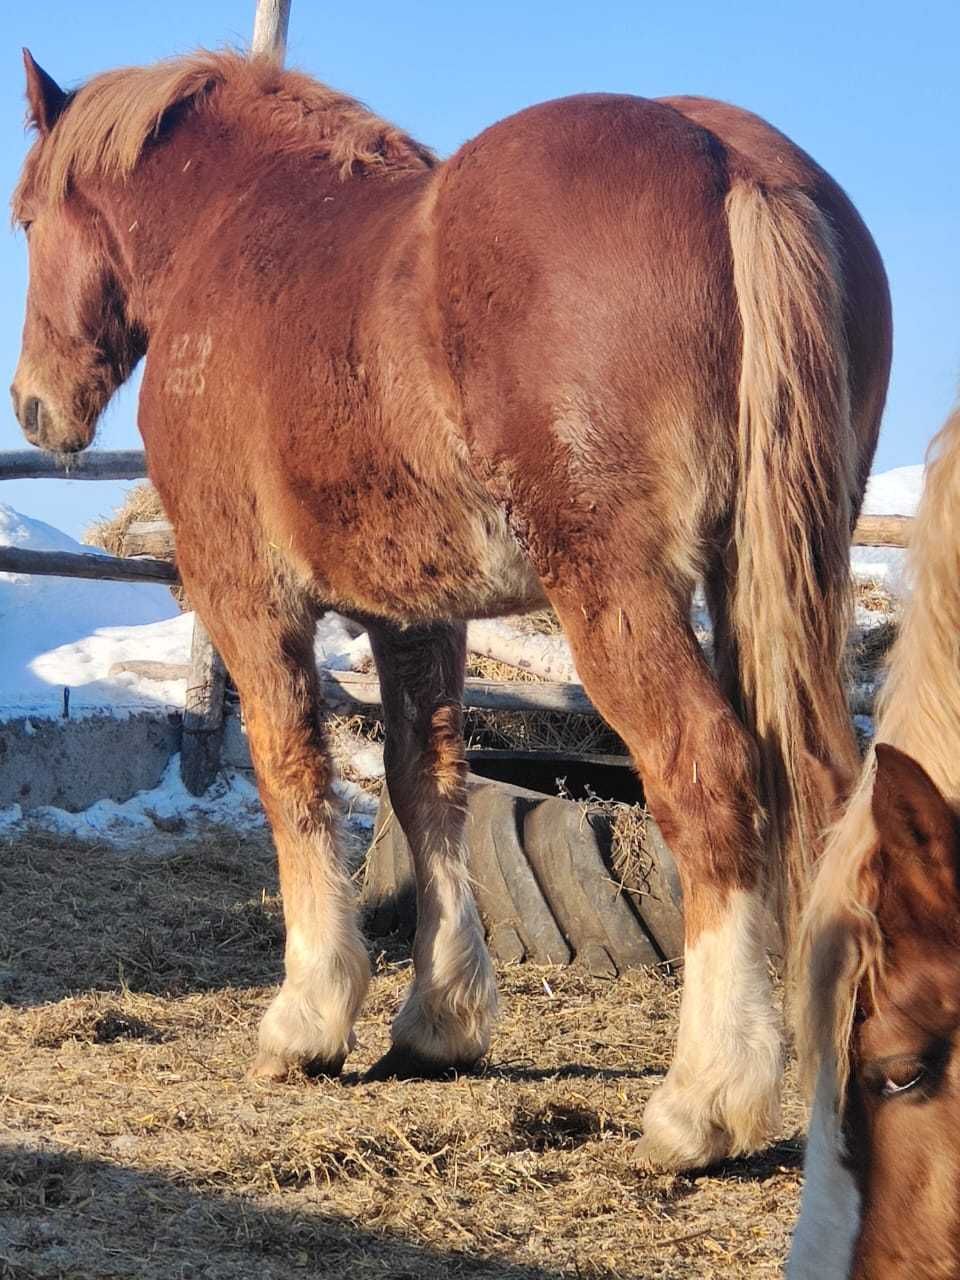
{"points": [[497, 579], [422, 565]]}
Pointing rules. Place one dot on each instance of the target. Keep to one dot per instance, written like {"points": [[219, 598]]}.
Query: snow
{"points": [[62, 633], [231, 801], [67, 631], [894, 493], [889, 493]]}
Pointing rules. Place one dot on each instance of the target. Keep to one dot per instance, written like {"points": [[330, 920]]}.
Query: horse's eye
{"points": [[906, 1077], [903, 1073], [26, 225]]}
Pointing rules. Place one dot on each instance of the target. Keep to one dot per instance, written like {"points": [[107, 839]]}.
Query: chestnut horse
{"points": [[608, 348], [882, 1003]]}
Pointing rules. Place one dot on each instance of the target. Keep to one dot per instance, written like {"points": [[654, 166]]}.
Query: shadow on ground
{"points": [[83, 1219]]}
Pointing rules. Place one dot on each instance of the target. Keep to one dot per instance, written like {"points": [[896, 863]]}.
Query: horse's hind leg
{"points": [[643, 669], [448, 1015], [264, 630]]}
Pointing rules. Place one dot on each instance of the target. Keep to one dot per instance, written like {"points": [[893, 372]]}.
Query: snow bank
{"points": [[232, 801], [67, 631]]}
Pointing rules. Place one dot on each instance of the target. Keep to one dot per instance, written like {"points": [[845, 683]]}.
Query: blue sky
{"points": [[868, 89]]}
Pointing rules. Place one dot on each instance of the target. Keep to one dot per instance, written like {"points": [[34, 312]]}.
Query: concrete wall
{"points": [[74, 763]]}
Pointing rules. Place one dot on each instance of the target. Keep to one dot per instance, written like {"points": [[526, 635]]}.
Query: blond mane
{"points": [[110, 120], [841, 945]]}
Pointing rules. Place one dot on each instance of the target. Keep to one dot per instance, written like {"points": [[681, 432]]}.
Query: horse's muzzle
{"points": [[36, 423]]}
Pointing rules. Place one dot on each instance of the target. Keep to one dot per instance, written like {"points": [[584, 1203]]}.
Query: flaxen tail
{"points": [[796, 493]]}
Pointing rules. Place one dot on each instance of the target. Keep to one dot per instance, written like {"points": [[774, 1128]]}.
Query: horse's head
{"points": [[882, 1194], [78, 345]]}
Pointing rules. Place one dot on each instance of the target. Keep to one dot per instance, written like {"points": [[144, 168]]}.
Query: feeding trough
{"points": [[550, 878]]}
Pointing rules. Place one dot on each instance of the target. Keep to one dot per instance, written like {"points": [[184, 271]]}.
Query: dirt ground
{"points": [[131, 1145]]}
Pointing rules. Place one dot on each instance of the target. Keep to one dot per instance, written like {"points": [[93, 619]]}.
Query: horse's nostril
{"points": [[30, 418]]}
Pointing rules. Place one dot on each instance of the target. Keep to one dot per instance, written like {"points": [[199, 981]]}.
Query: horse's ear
{"points": [[45, 98], [916, 866]]}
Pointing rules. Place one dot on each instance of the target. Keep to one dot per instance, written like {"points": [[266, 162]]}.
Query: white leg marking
{"points": [[721, 1096], [829, 1222], [450, 1011], [310, 1020]]}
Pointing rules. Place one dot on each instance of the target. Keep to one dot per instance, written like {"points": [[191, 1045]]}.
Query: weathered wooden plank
{"points": [[883, 531], [202, 713], [354, 688], [270, 29], [149, 538], [32, 464], [76, 564]]}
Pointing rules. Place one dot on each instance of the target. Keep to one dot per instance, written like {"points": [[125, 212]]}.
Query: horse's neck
{"points": [[172, 203]]}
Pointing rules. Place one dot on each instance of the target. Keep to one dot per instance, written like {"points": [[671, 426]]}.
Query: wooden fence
{"points": [[149, 556]]}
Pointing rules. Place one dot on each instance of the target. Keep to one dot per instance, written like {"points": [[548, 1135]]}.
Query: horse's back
{"points": [[587, 298], [587, 294]]}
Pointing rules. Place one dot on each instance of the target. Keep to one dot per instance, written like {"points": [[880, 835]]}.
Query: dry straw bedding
{"points": [[132, 1146]]}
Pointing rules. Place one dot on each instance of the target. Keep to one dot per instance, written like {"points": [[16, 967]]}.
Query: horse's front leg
{"points": [[448, 1015], [265, 633]]}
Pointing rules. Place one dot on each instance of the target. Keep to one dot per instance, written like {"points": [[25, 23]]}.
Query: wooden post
{"points": [[202, 713], [270, 29]]}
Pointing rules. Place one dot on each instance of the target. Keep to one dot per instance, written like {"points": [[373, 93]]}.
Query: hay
{"points": [[533, 730], [132, 1145], [542, 622], [141, 503], [109, 532]]}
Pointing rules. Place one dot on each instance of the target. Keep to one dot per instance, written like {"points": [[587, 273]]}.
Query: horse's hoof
{"points": [[324, 1069], [676, 1153], [270, 1066], [401, 1063], [649, 1156]]}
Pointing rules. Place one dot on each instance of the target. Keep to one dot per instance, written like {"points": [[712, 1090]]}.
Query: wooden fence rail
{"points": [[31, 464], [78, 564], [131, 464], [883, 531]]}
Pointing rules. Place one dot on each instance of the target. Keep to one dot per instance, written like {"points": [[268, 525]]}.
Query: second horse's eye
{"points": [[902, 1079]]}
